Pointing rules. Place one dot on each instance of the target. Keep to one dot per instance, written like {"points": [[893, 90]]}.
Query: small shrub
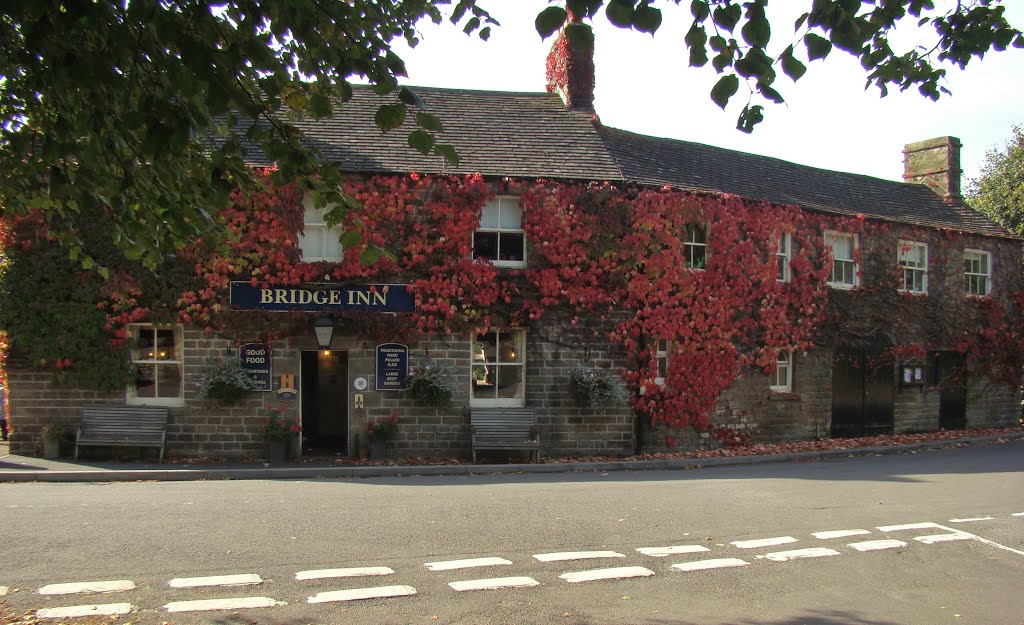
{"points": [[224, 380], [434, 385], [596, 388]]}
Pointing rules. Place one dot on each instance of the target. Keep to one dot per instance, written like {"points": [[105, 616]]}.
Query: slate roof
{"points": [[533, 135]]}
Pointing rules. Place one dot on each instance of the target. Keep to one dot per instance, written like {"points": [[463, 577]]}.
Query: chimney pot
{"points": [[935, 163]]}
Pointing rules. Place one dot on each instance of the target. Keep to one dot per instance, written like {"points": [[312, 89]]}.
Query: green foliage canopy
{"points": [[999, 191]]}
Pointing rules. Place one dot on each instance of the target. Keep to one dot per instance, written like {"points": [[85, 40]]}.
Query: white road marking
{"points": [[941, 538], [1017, 514], [237, 603], [465, 564], [908, 526], [660, 552], [875, 545], [576, 555], [357, 594], [351, 572], [119, 585], [622, 572], [217, 580], [971, 519], [813, 552], [494, 583], [763, 542], [839, 533], [74, 611], [700, 565]]}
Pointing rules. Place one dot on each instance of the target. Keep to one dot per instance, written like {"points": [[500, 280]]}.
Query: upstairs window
{"points": [[159, 365], [782, 257], [695, 246], [500, 238], [977, 272], [318, 242], [498, 372], [843, 248], [913, 261], [782, 380]]}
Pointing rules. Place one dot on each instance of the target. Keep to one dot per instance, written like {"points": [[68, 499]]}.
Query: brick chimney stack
{"points": [[936, 163], [570, 65]]}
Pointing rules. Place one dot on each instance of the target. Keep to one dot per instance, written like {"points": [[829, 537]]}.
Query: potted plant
{"points": [[434, 385], [279, 431], [596, 388], [51, 435], [224, 380], [379, 432]]}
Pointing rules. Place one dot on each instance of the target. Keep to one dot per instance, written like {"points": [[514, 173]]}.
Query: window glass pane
{"points": [[485, 245], [511, 246], [312, 215], [509, 380], [510, 348], [489, 216], [511, 215], [311, 242], [168, 382], [144, 344], [332, 246], [145, 380], [165, 347]]}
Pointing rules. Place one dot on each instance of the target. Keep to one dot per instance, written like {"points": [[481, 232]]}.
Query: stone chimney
{"points": [[936, 163], [570, 65]]}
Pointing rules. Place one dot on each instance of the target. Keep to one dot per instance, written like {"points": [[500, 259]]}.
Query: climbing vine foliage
{"points": [[636, 267]]}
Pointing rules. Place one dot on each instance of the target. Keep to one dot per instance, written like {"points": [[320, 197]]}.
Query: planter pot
{"points": [[278, 451], [51, 447], [378, 449]]}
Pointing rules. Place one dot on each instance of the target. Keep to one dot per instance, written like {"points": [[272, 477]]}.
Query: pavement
{"points": [[14, 468]]}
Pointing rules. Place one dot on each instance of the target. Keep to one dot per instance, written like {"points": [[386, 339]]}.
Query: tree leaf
{"points": [[619, 12], [584, 8], [817, 47], [724, 89], [410, 97], [390, 116], [429, 122], [700, 10], [448, 153], [750, 117], [549, 21], [727, 16], [421, 141], [791, 65], [647, 19]]}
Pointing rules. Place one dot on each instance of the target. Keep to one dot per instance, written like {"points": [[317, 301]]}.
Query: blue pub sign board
{"points": [[315, 297], [392, 366], [255, 361]]}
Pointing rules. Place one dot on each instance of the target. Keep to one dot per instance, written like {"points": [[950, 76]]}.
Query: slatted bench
{"points": [[502, 429], [112, 425]]}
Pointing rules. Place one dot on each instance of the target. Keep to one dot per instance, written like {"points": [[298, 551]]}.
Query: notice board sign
{"points": [[392, 366], [255, 361]]}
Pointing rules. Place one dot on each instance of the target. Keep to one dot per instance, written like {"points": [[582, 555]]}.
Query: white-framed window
{"points": [[500, 237], [158, 361], [498, 372], [695, 246], [661, 360], [318, 242], [783, 254], [843, 248], [977, 272], [782, 379], [913, 260]]}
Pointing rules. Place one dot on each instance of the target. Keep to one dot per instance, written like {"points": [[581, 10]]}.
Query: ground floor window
{"points": [[782, 381], [499, 368], [159, 365]]}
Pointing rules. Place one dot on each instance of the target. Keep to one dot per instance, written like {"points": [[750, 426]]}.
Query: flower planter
{"points": [[378, 449], [51, 447], [278, 451]]}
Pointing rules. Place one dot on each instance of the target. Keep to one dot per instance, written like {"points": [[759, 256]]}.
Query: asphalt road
{"points": [[925, 538]]}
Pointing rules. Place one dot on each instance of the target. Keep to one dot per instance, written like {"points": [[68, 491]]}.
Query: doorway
{"points": [[324, 403], [863, 393], [949, 377]]}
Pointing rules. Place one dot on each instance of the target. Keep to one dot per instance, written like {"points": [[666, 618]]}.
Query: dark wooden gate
{"points": [[863, 394], [948, 372]]}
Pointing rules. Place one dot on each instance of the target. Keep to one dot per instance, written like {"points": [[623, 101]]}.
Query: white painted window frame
{"points": [[784, 254], [661, 357], [322, 231], [498, 201], [987, 276], [131, 396], [499, 402], [783, 362], [835, 235], [904, 247], [691, 245]]}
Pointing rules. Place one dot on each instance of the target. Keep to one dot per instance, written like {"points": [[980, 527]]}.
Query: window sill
{"points": [[842, 286], [778, 395], [170, 402]]}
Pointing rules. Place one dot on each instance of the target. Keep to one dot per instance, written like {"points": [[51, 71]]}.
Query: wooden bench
{"points": [[504, 429], [112, 425]]}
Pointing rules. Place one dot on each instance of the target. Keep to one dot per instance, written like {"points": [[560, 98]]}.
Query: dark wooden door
{"points": [[952, 390], [863, 394]]}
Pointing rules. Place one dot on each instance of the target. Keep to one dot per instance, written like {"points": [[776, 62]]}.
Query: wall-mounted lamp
{"points": [[324, 329]]}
